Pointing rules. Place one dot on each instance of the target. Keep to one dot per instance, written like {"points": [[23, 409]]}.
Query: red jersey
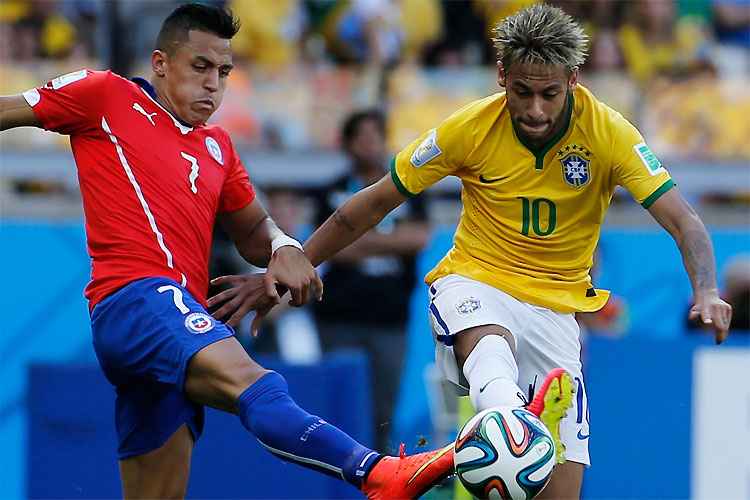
{"points": [[151, 186]]}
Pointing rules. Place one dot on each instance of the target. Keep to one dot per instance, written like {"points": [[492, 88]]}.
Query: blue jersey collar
{"points": [[149, 89]]}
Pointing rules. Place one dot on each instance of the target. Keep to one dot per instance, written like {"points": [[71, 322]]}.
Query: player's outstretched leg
{"points": [[485, 357], [222, 375], [551, 403]]}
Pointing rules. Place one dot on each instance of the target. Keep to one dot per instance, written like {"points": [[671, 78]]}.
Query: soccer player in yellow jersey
{"points": [[539, 164]]}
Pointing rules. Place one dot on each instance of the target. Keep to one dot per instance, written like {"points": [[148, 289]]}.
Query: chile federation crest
{"points": [[576, 170]]}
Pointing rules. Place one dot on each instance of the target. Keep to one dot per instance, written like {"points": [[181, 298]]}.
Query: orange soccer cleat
{"points": [[551, 404], [408, 476]]}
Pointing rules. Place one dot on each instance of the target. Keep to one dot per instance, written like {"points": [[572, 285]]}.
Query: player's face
{"points": [[537, 95], [368, 144], [194, 76]]}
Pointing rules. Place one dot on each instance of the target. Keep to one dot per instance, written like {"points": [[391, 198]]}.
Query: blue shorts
{"points": [[144, 337]]}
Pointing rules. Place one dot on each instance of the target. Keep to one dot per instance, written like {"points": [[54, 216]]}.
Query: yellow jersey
{"points": [[531, 217]]}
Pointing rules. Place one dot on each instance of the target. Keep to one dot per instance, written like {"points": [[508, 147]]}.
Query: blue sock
{"points": [[304, 439]]}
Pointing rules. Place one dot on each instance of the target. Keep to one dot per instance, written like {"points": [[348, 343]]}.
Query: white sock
{"points": [[492, 373]]}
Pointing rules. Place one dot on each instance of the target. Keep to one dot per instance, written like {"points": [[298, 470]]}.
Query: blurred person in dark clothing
{"points": [[732, 22], [736, 292], [369, 285]]}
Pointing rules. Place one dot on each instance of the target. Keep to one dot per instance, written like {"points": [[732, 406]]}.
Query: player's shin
{"points": [[492, 374], [292, 434]]}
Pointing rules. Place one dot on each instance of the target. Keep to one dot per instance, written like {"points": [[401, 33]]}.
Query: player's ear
{"points": [[573, 79], [500, 74], [158, 62]]}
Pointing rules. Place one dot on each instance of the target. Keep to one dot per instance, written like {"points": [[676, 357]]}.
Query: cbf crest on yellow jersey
{"points": [[531, 217]]}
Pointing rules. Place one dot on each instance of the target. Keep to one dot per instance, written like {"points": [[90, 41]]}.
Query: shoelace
{"points": [[532, 390]]}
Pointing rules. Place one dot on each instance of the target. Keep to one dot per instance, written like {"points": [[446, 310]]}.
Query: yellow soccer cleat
{"points": [[551, 404]]}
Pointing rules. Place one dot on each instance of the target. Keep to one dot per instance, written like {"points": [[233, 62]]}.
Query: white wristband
{"points": [[284, 241]]}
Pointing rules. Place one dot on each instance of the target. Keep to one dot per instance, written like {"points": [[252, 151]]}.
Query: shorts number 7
{"points": [[176, 297]]}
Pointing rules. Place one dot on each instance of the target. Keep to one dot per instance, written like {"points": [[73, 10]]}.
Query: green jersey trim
{"points": [[657, 194], [397, 181]]}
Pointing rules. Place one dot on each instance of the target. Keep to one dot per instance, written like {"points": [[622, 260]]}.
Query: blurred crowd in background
{"points": [[681, 67]]}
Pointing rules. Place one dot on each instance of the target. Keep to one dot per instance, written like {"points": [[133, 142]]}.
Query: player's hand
{"points": [[714, 314], [290, 268], [245, 293]]}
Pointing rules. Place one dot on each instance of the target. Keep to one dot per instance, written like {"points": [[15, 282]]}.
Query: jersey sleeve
{"points": [[237, 191], [438, 153], [72, 103], [636, 167]]}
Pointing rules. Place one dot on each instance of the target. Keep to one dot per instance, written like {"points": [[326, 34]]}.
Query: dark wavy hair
{"points": [[195, 16], [351, 125]]}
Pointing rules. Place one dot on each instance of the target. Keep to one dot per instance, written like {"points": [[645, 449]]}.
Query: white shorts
{"points": [[545, 340]]}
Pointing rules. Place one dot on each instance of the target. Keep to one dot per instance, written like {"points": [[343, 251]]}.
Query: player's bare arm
{"points": [[409, 238], [680, 220], [254, 234], [251, 230], [16, 112], [359, 214]]}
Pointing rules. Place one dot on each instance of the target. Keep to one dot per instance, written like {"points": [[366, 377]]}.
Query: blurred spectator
{"points": [[494, 11], [732, 22], [84, 15], [37, 30], [365, 32], [699, 118], [605, 52], [736, 292], [419, 99], [421, 24], [382, 32], [271, 32], [655, 42], [601, 20], [464, 37], [369, 284]]}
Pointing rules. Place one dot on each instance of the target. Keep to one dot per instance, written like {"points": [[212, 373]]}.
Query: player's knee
{"points": [[467, 340], [246, 375], [492, 374], [220, 384], [239, 378]]}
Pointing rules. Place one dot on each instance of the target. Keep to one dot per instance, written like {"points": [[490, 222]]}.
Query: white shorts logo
{"points": [[427, 151], [468, 306], [199, 322], [214, 150]]}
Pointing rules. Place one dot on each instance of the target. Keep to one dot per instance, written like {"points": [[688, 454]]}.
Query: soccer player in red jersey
{"points": [[154, 179]]}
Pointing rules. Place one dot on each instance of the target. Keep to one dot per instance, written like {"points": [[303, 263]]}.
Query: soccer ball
{"points": [[504, 452]]}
